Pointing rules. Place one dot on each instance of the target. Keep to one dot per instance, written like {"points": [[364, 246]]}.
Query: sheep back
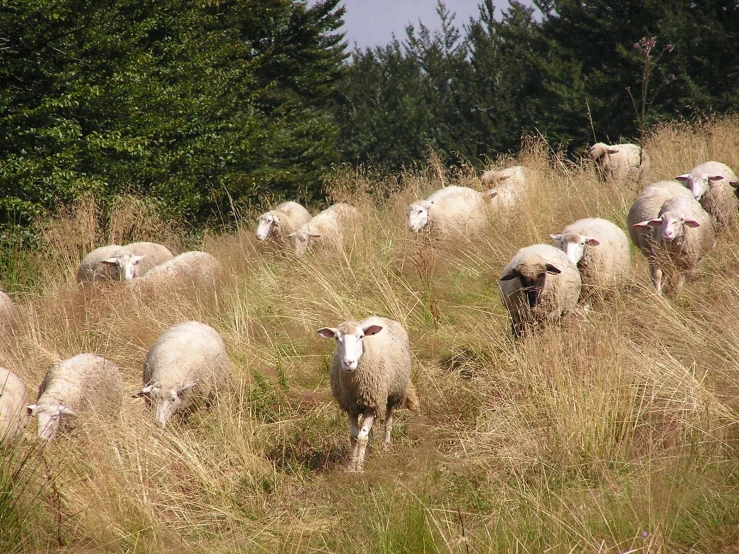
{"points": [[383, 376], [196, 269], [511, 185], [460, 212], [153, 253], [13, 401]]}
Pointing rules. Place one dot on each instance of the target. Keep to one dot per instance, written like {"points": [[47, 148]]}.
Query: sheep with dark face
{"points": [[370, 376], [538, 286], [713, 185]]}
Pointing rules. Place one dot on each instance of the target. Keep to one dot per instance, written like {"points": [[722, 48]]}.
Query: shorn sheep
{"points": [[619, 162], [511, 186], [186, 365], [713, 184], [452, 212], [328, 228], [682, 234], [600, 250], [13, 412], [84, 384], [281, 221], [538, 286], [370, 377]]}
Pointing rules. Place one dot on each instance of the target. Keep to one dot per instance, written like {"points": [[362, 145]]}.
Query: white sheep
{"points": [[8, 311], [619, 162], [331, 226], [151, 254], [681, 235], [13, 412], [107, 263], [538, 286], [186, 365], [713, 184], [511, 186], [281, 221], [600, 250], [370, 377], [452, 211], [83, 384], [196, 269]]}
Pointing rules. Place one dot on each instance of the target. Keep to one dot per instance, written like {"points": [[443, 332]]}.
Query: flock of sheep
{"points": [[673, 223]]}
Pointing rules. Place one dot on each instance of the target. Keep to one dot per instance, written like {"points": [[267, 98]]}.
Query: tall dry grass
{"points": [[614, 432]]}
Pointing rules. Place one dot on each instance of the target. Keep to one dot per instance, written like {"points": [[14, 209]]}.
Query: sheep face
{"points": [[698, 185], [669, 227], [418, 215], [124, 268], [533, 280], [349, 339], [166, 401], [49, 419], [267, 225], [573, 244], [302, 240]]}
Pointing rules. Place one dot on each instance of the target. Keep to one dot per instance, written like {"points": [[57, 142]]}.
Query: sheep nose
{"points": [[350, 364]]}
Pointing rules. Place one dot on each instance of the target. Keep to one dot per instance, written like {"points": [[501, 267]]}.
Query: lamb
{"points": [[186, 365], [713, 184], [538, 286], [13, 412], [331, 226], [190, 269], [281, 221], [682, 234], [452, 211], [511, 186], [619, 162], [86, 383], [370, 377], [600, 250]]}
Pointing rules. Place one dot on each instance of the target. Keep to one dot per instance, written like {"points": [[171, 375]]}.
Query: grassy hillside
{"points": [[614, 432]]}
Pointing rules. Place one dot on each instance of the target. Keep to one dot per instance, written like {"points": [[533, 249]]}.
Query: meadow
{"points": [[614, 432]]}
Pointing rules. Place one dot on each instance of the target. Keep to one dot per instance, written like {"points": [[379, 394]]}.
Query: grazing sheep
{"points": [[511, 186], [682, 234], [600, 250], [370, 377], [190, 269], [619, 162], [105, 264], [186, 365], [331, 226], [282, 221], [713, 184], [538, 286], [13, 412], [152, 254], [86, 383], [452, 211]]}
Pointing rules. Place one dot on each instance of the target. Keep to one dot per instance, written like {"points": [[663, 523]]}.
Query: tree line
{"points": [[206, 107]]}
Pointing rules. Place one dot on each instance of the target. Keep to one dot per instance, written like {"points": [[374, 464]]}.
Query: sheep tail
{"points": [[411, 398]]}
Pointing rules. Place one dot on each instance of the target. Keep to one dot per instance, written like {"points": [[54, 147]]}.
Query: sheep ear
{"points": [[592, 241], [314, 235], [734, 183], [555, 237], [186, 386], [111, 261], [655, 222], [691, 223], [275, 219], [136, 259], [30, 409], [510, 275], [492, 193], [143, 392], [683, 178], [713, 178], [327, 333], [612, 151], [65, 410], [553, 269], [372, 330], [647, 224], [292, 234]]}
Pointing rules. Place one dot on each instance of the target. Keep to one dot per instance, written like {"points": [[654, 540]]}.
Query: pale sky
{"points": [[372, 22]]}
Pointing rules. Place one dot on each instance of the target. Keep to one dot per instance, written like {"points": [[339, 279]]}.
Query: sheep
{"points": [[370, 377], [682, 234], [331, 226], [713, 184], [106, 263], [186, 365], [538, 286], [86, 383], [152, 254], [7, 311], [511, 186], [619, 162], [281, 221], [452, 211], [190, 269], [13, 412], [600, 250]]}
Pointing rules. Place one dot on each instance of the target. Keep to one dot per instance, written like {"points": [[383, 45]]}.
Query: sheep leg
{"points": [[388, 425], [679, 282], [353, 433], [363, 438], [656, 274]]}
